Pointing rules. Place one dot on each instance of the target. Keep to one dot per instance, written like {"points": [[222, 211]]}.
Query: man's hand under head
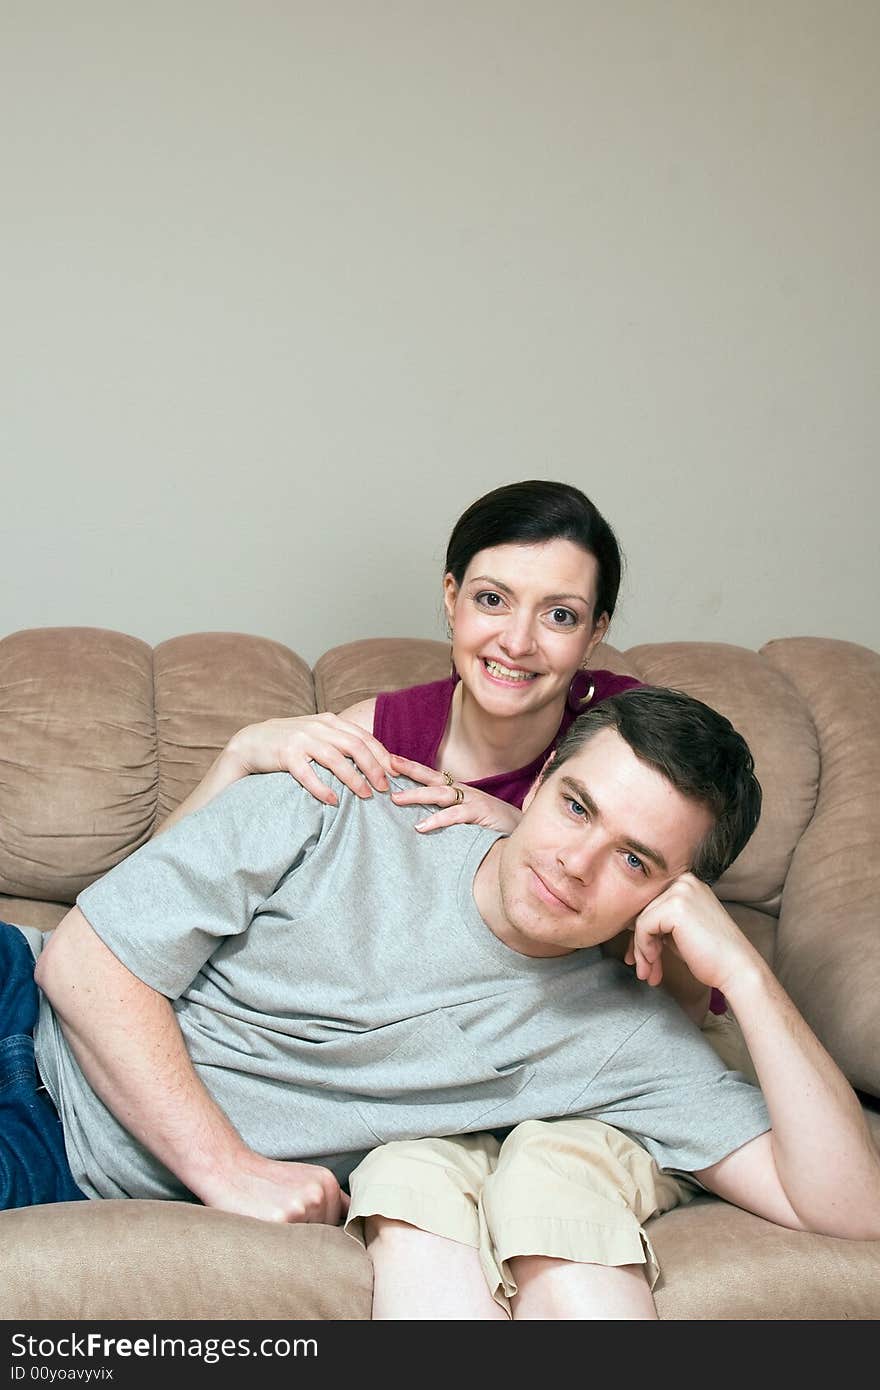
{"points": [[689, 919]]}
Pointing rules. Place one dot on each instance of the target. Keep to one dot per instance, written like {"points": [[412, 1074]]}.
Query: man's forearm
{"points": [[129, 1046], [825, 1158]]}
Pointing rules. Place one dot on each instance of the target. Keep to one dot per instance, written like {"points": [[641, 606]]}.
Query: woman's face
{"points": [[522, 623]]}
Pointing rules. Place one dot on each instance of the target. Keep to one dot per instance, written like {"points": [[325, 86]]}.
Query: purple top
{"points": [[412, 723]]}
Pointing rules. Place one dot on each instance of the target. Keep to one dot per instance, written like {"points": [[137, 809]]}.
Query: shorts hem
{"points": [[575, 1240], [454, 1220]]}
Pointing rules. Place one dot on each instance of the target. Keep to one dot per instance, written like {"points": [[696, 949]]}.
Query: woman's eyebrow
{"points": [[506, 589], [496, 583], [558, 598]]}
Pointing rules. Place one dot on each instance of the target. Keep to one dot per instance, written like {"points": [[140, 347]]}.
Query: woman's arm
{"points": [[292, 745]]}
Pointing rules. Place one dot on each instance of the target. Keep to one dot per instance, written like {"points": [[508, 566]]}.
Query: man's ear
{"points": [[533, 789]]}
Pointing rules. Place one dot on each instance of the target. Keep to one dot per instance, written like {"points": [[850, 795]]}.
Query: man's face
{"points": [[600, 838]]}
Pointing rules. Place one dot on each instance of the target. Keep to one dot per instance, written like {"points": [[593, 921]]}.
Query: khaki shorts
{"points": [[573, 1189]]}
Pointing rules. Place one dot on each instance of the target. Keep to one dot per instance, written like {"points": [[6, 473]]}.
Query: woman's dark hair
{"points": [[693, 747], [529, 513]]}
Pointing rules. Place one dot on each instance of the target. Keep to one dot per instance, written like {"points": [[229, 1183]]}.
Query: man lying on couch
{"points": [[251, 1003]]}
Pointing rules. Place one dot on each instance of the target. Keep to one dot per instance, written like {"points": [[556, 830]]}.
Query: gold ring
{"points": [[459, 796], [448, 778]]}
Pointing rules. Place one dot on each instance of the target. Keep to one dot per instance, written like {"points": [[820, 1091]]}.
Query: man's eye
{"points": [[488, 599], [576, 808], [634, 862]]}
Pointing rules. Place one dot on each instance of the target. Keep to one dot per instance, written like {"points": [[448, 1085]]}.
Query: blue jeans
{"points": [[33, 1162]]}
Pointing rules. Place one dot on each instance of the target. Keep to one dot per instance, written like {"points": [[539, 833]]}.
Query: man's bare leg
{"points": [[424, 1277], [562, 1289]]}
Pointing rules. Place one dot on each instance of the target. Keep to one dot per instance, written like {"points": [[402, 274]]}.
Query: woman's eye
{"points": [[634, 862], [563, 617], [489, 599]]}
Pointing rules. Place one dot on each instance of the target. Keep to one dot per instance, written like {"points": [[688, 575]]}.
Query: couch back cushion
{"points": [[828, 941], [776, 723], [103, 736], [359, 670]]}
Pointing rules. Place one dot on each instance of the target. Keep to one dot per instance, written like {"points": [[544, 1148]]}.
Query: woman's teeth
{"points": [[504, 672]]}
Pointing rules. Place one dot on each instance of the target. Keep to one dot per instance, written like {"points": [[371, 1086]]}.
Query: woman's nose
{"points": [[518, 637]]}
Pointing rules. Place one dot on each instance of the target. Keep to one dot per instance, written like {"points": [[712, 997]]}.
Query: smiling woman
{"points": [[530, 584], [523, 622]]}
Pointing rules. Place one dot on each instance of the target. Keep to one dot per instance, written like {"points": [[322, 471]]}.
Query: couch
{"points": [[103, 735]]}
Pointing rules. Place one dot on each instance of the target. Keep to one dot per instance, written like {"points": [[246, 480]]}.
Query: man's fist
{"points": [[274, 1191], [689, 918]]}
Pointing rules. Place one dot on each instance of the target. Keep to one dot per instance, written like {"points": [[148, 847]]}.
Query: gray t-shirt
{"points": [[337, 988]]}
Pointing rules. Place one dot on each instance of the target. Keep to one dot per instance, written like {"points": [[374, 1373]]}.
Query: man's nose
{"points": [[580, 857]]}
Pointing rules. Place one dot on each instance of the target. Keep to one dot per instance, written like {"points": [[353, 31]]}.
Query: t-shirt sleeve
{"points": [[669, 1089], [163, 910]]}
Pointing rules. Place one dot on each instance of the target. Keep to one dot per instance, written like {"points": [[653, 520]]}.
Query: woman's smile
{"points": [[507, 675]]}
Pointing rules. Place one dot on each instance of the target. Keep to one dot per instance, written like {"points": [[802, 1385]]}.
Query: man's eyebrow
{"points": [[506, 589], [580, 793]]}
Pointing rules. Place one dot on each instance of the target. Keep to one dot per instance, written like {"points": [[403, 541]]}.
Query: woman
{"points": [[518, 646], [530, 584]]}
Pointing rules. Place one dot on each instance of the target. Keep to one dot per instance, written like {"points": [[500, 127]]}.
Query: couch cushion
{"points": [[157, 1260], [759, 927], [208, 686], [103, 737], [718, 1262], [829, 927], [30, 912], [78, 783], [777, 726], [359, 670]]}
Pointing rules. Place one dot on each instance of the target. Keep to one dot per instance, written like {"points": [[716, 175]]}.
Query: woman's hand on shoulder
{"points": [[293, 745], [459, 804]]}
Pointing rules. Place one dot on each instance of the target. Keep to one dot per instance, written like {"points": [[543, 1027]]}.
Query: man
{"points": [[273, 988]]}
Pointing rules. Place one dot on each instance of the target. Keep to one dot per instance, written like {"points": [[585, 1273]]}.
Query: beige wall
{"points": [[287, 285]]}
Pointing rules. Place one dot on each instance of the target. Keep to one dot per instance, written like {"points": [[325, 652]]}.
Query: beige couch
{"points": [[104, 735]]}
